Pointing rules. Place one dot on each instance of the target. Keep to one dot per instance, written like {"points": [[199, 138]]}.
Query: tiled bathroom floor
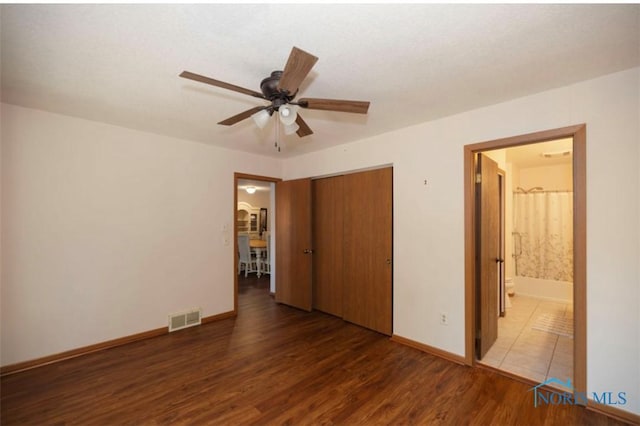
{"points": [[536, 355]]}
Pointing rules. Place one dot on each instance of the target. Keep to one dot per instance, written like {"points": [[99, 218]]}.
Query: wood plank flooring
{"points": [[272, 365]]}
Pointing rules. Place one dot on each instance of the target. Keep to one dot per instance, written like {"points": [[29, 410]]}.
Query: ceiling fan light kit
{"points": [[280, 89], [288, 114], [290, 129], [261, 118]]}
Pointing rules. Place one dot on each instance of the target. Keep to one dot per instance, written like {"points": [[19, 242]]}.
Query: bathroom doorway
{"points": [[544, 319], [535, 262]]}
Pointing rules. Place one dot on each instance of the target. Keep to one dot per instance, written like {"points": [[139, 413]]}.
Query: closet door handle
{"points": [[307, 251]]}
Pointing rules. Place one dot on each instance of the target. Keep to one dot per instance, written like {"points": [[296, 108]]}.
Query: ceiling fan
{"points": [[280, 89]]}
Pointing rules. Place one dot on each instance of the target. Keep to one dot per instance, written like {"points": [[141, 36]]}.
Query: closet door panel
{"points": [[367, 264], [328, 206]]}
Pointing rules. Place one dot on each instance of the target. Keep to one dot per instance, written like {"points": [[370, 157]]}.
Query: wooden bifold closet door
{"points": [[328, 215], [352, 232]]}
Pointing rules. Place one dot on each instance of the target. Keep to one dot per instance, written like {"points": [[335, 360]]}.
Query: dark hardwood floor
{"points": [[272, 365]]}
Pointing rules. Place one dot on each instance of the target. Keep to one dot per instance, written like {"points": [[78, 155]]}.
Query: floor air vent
{"points": [[185, 319]]}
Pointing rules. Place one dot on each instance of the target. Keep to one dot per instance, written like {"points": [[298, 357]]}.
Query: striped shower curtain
{"points": [[543, 235]]}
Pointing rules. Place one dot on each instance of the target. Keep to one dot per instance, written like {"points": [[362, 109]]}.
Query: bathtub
{"points": [[561, 291]]}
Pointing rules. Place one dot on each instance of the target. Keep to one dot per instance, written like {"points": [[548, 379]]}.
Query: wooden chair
{"points": [[265, 264], [246, 258]]}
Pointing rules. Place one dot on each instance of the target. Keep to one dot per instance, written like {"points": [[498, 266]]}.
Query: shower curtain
{"points": [[543, 234]]}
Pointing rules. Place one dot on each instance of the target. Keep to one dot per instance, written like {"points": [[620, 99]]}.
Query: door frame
{"points": [[237, 176], [578, 133]]}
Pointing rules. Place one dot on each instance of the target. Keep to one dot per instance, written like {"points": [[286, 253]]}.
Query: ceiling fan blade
{"points": [[358, 107], [239, 117], [218, 83], [298, 66], [304, 129]]}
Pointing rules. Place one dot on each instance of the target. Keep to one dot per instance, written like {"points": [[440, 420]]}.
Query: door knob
{"points": [[307, 251], [388, 261]]}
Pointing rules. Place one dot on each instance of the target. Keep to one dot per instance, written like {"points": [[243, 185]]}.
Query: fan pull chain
{"points": [[277, 145]]}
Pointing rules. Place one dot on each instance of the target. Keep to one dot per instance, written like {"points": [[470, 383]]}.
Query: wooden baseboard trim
{"points": [[219, 317], [73, 353], [613, 412], [428, 349]]}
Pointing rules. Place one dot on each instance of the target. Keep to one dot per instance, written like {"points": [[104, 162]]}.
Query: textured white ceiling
{"points": [[260, 185], [119, 64]]}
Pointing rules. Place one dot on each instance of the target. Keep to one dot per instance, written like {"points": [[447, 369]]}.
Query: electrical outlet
{"points": [[444, 319]]}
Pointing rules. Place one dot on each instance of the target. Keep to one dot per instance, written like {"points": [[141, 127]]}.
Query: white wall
{"points": [[429, 221], [106, 230]]}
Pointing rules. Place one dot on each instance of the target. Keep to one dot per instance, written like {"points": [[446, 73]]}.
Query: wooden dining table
{"points": [[257, 244]]}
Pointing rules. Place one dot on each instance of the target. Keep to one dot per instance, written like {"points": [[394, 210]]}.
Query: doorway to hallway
{"points": [[253, 216]]}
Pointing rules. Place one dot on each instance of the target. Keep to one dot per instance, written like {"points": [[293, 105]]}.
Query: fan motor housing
{"points": [[269, 87]]}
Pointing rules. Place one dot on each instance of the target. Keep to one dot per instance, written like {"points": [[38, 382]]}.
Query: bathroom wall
{"points": [[552, 178], [499, 156]]}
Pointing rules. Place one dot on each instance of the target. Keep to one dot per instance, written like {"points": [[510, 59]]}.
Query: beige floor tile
{"points": [[532, 361], [547, 304], [523, 371], [542, 354], [560, 372], [504, 342], [492, 360], [563, 359], [538, 338], [565, 344], [510, 334], [529, 353]]}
